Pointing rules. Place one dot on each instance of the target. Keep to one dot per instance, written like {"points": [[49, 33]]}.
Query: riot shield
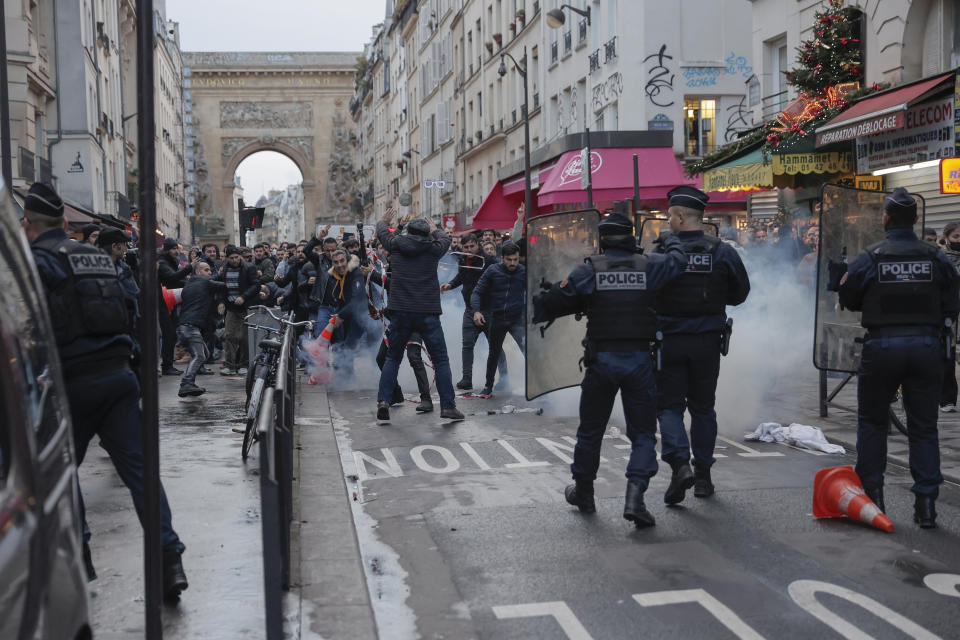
{"points": [[556, 244], [850, 221], [651, 227]]}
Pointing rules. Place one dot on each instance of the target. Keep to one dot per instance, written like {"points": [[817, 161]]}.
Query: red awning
{"points": [[498, 211], [515, 184], [883, 112], [612, 171]]}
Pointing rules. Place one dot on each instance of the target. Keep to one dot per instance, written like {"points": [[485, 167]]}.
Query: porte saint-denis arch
{"points": [[239, 103]]}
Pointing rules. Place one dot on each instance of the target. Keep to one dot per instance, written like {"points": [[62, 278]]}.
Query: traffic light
{"points": [[251, 218]]}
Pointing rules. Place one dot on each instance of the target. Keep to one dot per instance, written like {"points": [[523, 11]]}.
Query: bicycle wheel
{"points": [[253, 411]]}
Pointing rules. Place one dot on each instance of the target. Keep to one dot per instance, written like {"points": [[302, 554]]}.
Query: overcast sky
{"points": [[273, 25]]}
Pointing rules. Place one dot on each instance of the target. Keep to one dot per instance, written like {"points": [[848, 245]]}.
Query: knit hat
{"points": [[111, 235], [231, 250], [170, 243], [88, 230], [42, 199], [418, 226]]}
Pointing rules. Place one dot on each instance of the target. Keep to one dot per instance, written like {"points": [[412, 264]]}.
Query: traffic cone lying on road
{"points": [[320, 372], [837, 492]]}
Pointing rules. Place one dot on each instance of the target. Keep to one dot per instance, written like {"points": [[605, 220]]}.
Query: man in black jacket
{"points": [[472, 266], [499, 300], [171, 276], [264, 263], [197, 307], [242, 287], [414, 306]]}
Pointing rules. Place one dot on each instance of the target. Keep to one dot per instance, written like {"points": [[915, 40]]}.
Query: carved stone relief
{"points": [[303, 144], [266, 115], [229, 146]]}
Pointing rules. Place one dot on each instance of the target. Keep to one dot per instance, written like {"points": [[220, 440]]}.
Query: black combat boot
{"points": [[580, 495], [925, 512], [88, 563], [681, 480], [174, 579], [877, 496], [426, 404], [634, 509], [702, 486], [466, 384], [383, 411]]}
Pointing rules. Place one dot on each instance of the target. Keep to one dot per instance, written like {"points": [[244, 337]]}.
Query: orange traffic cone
{"points": [[327, 334], [837, 492], [171, 297]]}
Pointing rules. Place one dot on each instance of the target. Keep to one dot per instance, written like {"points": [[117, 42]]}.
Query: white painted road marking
{"points": [[717, 609], [750, 453], [946, 584], [558, 610], [804, 593]]}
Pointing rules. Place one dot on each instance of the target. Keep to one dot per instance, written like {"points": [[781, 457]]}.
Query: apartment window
{"points": [[699, 126], [779, 62]]}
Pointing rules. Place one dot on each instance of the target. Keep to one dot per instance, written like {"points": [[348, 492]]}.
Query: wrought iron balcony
{"points": [[553, 52], [595, 60], [610, 49], [567, 41], [582, 30]]}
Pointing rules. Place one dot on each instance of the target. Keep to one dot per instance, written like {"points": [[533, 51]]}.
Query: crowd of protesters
{"points": [[206, 291]]}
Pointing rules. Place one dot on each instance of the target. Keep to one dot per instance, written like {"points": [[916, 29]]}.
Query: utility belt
{"points": [[592, 347], [945, 334]]}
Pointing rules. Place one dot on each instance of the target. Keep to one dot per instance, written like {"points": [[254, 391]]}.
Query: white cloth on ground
{"points": [[800, 435]]}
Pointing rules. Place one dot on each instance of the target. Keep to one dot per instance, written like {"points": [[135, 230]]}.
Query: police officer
{"points": [[904, 288], [692, 316], [91, 323], [617, 292]]}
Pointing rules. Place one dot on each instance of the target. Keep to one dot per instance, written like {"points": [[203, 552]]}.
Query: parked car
{"points": [[43, 587]]}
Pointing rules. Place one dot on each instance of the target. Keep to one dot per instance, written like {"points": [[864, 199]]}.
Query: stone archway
{"points": [[239, 103]]}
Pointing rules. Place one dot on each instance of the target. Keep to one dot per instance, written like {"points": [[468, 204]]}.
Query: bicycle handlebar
{"points": [[281, 319]]}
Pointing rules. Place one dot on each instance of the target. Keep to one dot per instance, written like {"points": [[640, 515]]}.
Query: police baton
{"points": [[725, 334]]}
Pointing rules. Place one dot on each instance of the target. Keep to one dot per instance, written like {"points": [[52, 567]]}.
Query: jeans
{"points": [[191, 337], [470, 334], [915, 364], [108, 405], [630, 372], [402, 325], [688, 382], [496, 334], [234, 339], [415, 358]]}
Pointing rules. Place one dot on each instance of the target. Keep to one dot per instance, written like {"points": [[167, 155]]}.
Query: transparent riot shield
{"points": [[651, 227], [850, 221], [556, 244]]}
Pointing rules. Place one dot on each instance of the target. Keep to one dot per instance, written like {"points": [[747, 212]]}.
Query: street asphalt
{"points": [[420, 529]]}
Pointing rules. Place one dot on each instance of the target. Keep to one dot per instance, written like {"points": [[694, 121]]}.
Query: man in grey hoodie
{"points": [[414, 306]]}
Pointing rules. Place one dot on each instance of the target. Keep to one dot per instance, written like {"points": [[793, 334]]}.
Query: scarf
{"points": [[339, 279]]}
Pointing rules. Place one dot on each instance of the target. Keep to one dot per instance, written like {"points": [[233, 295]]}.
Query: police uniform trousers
{"points": [[107, 404], [914, 363], [631, 373], [687, 381]]}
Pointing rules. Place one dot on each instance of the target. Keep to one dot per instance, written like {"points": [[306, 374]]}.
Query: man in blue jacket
{"points": [[502, 294]]}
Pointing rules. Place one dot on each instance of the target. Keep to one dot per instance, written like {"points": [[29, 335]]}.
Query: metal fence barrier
{"points": [[275, 429]]}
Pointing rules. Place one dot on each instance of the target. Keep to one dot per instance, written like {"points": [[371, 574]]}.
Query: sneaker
{"points": [[226, 371], [486, 393], [171, 371], [949, 408], [190, 389], [426, 405], [383, 411], [203, 371], [466, 384], [242, 371], [451, 414]]}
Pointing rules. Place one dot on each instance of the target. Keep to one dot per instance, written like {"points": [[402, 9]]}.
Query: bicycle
{"points": [[262, 373]]}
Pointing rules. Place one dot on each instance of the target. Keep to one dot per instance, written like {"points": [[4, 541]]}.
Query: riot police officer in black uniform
{"points": [[617, 292], [692, 310], [92, 322], [904, 289]]}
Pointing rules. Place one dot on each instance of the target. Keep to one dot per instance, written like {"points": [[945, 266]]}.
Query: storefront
{"points": [[899, 137]]}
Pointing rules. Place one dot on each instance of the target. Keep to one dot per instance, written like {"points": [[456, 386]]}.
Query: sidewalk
{"points": [[800, 403]]}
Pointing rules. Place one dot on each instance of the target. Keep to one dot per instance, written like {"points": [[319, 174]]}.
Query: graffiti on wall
{"points": [[608, 91], [739, 119], [659, 87], [709, 76]]}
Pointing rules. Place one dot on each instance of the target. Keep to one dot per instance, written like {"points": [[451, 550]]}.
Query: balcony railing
{"points": [[536, 7], [773, 104], [567, 41], [582, 30], [610, 50], [553, 52], [536, 100], [513, 116], [595, 60]]}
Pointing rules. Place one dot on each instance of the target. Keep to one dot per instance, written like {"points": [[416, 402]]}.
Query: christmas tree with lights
{"points": [[832, 56]]}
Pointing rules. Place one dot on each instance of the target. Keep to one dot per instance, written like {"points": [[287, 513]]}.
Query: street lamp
{"points": [[556, 18], [502, 71]]}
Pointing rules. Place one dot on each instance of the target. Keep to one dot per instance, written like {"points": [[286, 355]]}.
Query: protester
{"points": [[242, 285], [198, 303], [499, 300], [89, 234], [264, 263], [950, 240], [414, 306], [172, 276]]}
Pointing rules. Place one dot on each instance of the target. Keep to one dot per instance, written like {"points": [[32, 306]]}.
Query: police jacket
{"points": [[414, 287], [500, 292], [618, 297], [901, 282], [469, 272], [90, 316], [198, 301], [696, 300]]}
